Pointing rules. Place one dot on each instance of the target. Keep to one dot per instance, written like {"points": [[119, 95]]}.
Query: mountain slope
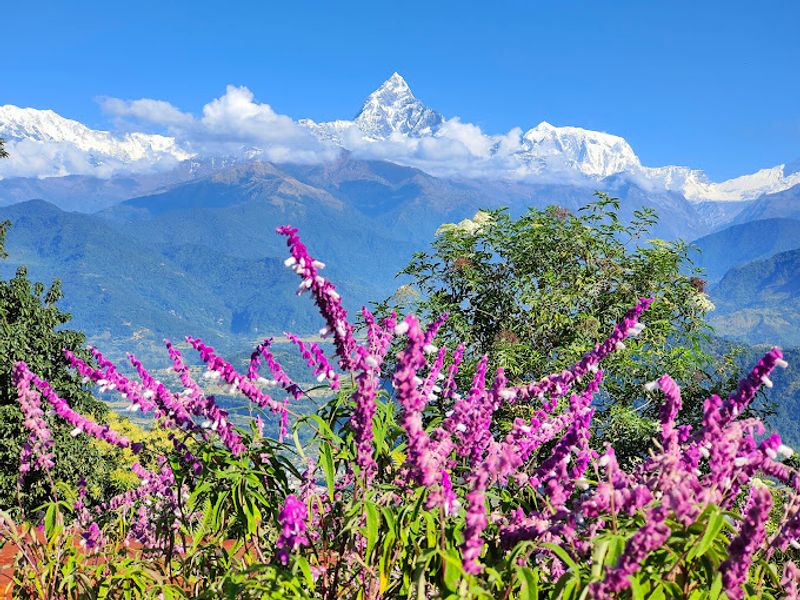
{"points": [[739, 244], [85, 193], [120, 288], [236, 211], [759, 303], [783, 204], [414, 204], [203, 254]]}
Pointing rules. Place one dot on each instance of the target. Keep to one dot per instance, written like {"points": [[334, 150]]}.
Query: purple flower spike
{"points": [[62, 409], [40, 440], [746, 544], [292, 519]]}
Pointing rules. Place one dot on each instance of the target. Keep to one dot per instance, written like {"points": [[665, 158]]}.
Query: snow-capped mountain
{"points": [[42, 143], [391, 110], [392, 114], [591, 153], [695, 185], [393, 124]]}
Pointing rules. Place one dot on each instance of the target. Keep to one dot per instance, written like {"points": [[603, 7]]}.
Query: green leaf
{"points": [[50, 518], [372, 523], [529, 583], [598, 557], [298, 445], [715, 522], [302, 562], [637, 591], [657, 594], [453, 571], [326, 458]]}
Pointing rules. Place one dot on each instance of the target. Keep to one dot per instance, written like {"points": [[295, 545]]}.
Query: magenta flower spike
{"points": [[292, 520], [38, 450], [316, 359], [646, 540], [205, 407], [746, 544], [325, 296], [79, 422]]}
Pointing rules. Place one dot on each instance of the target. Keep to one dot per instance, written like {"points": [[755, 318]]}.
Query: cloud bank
{"points": [[235, 123], [229, 125]]}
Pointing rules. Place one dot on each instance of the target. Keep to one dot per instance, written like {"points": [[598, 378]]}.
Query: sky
{"points": [[712, 85]]}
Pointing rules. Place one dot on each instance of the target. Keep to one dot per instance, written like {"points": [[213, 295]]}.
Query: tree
{"points": [[32, 329], [535, 293]]}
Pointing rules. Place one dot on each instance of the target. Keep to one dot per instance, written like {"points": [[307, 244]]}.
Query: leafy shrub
{"points": [[386, 498]]}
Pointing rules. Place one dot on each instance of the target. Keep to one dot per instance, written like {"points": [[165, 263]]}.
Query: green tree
{"points": [[32, 329], [535, 293]]}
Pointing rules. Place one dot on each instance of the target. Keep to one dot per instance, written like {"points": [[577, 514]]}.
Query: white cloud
{"points": [[457, 149], [157, 112], [34, 158], [229, 125], [236, 125]]}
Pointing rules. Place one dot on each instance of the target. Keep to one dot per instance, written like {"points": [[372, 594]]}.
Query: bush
{"points": [[385, 499]]}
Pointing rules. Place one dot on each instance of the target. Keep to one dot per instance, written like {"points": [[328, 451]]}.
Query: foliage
{"points": [[534, 292], [33, 330], [391, 499]]}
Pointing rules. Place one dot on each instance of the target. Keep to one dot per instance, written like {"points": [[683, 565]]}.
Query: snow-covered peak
{"points": [[394, 125], [592, 153], [695, 185], [393, 109], [42, 143], [394, 85]]}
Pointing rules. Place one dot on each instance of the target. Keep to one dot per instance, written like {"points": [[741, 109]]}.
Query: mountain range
{"points": [[392, 125]]}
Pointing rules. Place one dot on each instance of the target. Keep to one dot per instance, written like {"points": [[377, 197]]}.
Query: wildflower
{"points": [[40, 440], [292, 520], [746, 544]]}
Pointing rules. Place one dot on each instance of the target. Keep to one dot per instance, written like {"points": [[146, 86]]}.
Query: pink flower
{"points": [[292, 519], [40, 440], [325, 296], [746, 544]]}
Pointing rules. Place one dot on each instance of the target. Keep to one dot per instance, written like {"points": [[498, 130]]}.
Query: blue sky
{"points": [[712, 85]]}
